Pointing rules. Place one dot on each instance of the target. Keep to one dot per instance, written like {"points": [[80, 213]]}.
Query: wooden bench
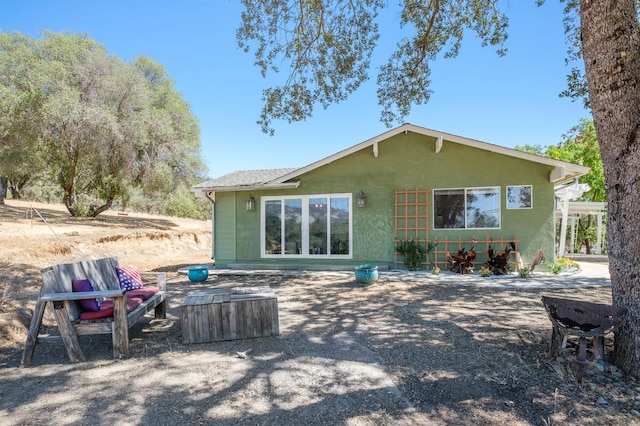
{"points": [[57, 290]]}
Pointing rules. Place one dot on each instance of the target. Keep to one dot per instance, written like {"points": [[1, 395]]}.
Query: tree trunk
{"points": [[106, 206], [611, 51], [3, 188]]}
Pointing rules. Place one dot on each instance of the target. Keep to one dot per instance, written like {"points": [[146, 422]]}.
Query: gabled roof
{"points": [[280, 178], [563, 171]]}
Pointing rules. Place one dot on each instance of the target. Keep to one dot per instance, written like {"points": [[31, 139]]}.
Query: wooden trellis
{"points": [[482, 245], [411, 219], [412, 222]]}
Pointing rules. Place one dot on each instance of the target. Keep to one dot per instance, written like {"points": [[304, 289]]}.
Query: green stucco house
{"points": [[410, 183]]}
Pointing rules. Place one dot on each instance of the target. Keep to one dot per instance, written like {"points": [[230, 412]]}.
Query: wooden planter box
{"points": [[229, 314]]}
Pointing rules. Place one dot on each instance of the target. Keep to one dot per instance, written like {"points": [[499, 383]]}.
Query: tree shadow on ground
{"points": [[393, 353], [53, 217]]}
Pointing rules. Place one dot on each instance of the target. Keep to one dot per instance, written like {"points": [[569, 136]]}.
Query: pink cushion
{"points": [[143, 293], [90, 305], [106, 308]]}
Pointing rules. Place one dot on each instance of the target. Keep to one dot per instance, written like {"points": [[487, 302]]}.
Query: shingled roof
{"points": [[244, 180]]}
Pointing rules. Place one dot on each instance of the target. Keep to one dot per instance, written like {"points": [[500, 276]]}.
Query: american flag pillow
{"points": [[129, 277]]}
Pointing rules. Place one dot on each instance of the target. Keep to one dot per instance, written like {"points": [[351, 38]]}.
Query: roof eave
{"points": [[563, 171], [202, 191]]}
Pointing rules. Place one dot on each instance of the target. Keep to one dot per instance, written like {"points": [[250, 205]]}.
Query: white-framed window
{"points": [[519, 197], [307, 226], [466, 208]]}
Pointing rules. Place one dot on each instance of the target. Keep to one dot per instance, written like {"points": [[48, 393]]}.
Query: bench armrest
{"points": [[161, 279], [80, 295]]}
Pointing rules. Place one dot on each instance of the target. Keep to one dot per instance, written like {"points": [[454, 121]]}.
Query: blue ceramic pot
{"points": [[198, 273], [366, 274]]}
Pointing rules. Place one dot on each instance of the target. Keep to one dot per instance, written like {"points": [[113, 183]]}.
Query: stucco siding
{"points": [[405, 161], [225, 228]]}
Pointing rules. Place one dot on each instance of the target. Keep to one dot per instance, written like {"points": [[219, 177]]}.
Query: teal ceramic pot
{"points": [[198, 273], [366, 274]]}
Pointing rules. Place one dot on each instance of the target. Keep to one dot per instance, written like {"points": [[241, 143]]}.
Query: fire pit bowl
{"points": [[583, 320]]}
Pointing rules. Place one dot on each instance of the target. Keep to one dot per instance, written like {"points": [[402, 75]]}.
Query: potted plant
{"points": [[413, 253]]}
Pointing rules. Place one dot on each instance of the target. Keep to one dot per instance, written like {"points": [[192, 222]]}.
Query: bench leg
{"points": [[67, 331], [120, 332], [32, 336], [161, 311]]}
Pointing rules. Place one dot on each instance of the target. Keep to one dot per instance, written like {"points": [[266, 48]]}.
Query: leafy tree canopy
{"points": [[95, 125], [327, 47], [580, 146]]}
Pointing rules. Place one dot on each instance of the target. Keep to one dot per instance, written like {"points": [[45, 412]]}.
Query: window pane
{"points": [[317, 226], [273, 227], [483, 208], [340, 225], [519, 197], [293, 226], [448, 207]]}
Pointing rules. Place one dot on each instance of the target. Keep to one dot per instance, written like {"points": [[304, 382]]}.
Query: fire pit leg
{"points": [[556, 342], [581, 358]]}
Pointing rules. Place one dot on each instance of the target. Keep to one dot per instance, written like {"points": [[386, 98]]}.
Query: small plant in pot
{"points": [[414, 253]]}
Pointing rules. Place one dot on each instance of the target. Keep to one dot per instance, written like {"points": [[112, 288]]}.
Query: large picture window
{"points": [[307, 226], [466, 208]]}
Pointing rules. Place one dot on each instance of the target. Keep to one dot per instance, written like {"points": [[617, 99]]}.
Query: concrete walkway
{"points": [[590, 275]]}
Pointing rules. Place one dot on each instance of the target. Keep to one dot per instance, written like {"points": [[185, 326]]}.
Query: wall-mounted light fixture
{"points": [[251, 204], [361, 199]]}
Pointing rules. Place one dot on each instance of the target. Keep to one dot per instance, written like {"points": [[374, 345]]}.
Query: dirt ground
{"points": [[400, 352]]}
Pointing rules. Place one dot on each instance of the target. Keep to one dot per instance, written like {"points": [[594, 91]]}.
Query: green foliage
{"points": [[524, 272], [327, 47], [562, 264], [555, 268], [96, 126], [414, 253], [183, 203], [581, 147]]}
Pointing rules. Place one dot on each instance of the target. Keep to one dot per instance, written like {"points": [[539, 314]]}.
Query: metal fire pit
{"points": [[583, 320]]}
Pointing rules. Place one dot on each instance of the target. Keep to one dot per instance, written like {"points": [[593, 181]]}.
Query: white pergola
{"points": [[569, 212]]}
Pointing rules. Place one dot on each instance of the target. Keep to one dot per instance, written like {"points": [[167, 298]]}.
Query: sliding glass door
{"points": [[307, 226]]}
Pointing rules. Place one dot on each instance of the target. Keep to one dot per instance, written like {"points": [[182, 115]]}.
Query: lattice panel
{"points": [[447, 245], [411, 218]]}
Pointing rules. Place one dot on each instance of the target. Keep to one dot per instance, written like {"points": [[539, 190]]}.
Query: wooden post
{"points": [[67, 331], [32, 336], [120, 332]]}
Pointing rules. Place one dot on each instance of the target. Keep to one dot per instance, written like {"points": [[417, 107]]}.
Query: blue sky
{"points": [[507, 101]]}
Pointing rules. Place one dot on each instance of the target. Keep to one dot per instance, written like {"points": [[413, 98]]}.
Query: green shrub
{"points": [[413, 253]]}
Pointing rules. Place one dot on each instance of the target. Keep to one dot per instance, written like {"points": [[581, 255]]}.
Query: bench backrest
{"points": [[101, 272]]}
